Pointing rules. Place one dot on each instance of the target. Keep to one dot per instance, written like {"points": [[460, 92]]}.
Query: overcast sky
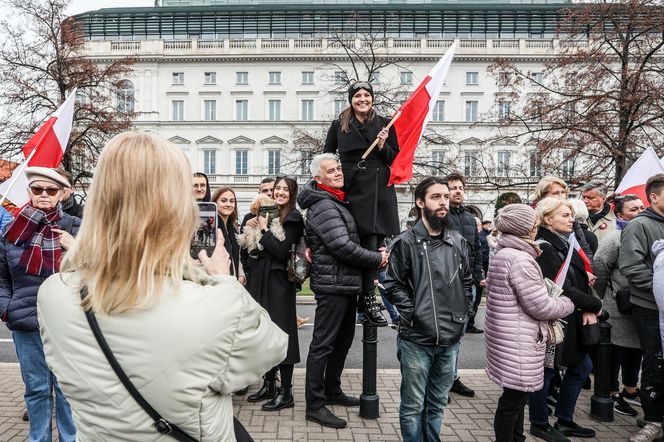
{"points": [[78, 6]]}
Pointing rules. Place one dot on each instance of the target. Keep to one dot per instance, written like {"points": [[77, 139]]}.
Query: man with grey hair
{"points": [[601, 219], [336, 280]]}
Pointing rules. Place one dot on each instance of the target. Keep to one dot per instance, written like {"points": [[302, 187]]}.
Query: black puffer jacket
{"points": [[429, 282], [337, 258], [463, 222]]}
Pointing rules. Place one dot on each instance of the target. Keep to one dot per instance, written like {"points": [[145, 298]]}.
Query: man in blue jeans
{"points": [[429, 282]]}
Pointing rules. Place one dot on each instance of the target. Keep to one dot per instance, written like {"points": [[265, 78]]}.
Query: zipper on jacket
{"points": [[433, 300], [456, 272]]}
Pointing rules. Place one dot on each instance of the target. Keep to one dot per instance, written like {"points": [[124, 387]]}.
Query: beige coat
{"points": [[604, 226], [186, 355]]}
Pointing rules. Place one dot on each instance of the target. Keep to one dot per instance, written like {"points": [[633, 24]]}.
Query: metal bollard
{"points": [[601, 403], [369, 399]]}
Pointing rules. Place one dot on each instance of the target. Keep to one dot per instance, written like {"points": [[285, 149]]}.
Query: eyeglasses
{"points": [[361, 85], [50, 191]]}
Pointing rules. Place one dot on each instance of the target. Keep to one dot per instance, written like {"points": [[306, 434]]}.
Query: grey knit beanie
{"points": [[515, 219]]}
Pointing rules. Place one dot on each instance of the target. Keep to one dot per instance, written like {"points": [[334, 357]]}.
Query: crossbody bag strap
{"points": [[161, 424]]}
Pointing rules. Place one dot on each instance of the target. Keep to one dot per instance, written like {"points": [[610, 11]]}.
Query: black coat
{"points": [[269, 284], [337, 257], [372, 203], [463, 222], [230, 244], [590, 237], [575, 287]]}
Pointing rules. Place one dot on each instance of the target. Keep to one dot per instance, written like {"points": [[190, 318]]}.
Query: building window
{"points": [[472, 78], [241, 110], [209, 161], [177, 110], [375, 78], [210, 78], [535, 164], [273, 162], [504, 79], [406, 77], [307, 110], [567, 166], [537, 77], [503, 163], [307, 77], [125, 96], [339, 107], [274, 77], [437, 158], [340, 77], [471, 110], [470, 162], [274, 110], [504, 110], [438, 114], [241, 162], [242, 78], [210, 110], [307, 156], [178, 78]]}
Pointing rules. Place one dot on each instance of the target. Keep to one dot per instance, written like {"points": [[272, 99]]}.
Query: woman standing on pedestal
{"points": [[372, 203]]}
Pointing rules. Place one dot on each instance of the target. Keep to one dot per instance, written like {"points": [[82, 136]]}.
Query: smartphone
{"points": [[205, 235]]}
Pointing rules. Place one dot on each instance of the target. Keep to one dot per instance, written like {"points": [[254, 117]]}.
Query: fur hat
{"points": [[515, 219], [359, 85]]}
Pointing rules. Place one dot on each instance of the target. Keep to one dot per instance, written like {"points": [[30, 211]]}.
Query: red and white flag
{"points": [[634, 181], [45, 149], [415, 115], [573, 245]]}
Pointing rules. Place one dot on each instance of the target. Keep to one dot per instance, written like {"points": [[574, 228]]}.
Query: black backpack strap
{"points": [[161, 424]]}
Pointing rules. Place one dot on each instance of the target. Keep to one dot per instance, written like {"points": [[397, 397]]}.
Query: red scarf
{"points": [[337, 193], [31, 229]]}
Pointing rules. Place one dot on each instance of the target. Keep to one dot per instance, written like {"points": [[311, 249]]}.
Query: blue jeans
{"points": [[427, 374], [39, 385], [394, 315], [570, 388]]}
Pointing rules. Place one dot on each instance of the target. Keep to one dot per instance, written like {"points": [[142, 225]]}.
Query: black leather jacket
{"points": [[429, 281]]}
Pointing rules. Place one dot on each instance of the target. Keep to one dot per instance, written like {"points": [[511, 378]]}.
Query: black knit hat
{"points": [[353, 88]]}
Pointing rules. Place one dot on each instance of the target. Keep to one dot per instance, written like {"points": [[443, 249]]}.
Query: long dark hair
{"points": [[346, 115], [232, 219], [292, 195], [206, 198], [422, 188]]}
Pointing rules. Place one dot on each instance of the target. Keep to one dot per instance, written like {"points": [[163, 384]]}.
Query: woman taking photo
{"points": [[518, 307], [270, 286], [226, 203], [556, 218], [31, 249], [611, 285], [371, 202], [186, 336]]}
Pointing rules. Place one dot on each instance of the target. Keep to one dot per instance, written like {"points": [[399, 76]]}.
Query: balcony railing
{"points": [[312, 46]]}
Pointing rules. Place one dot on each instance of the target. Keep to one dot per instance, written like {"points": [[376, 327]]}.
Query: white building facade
{"points": [[244, 90]]}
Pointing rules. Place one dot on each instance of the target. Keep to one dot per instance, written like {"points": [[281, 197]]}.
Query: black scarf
{"points": [[594, 217], [230, 244]]}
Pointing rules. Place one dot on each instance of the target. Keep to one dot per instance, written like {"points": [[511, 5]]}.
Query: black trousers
{"points": [[334, 329], [652, 367], [476, 302], [370, 242], [508, 422], [627, 359]]}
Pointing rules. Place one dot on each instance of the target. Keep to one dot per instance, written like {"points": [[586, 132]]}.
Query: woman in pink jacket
{"points": [[518, 308]]}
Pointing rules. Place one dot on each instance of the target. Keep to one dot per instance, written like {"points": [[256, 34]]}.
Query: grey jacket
{"points": [[429, 281], [609, 281], [636, 258]]}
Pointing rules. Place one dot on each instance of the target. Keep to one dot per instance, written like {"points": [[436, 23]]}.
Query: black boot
{"points": [[283, 399], [372, 312], [267, 391]]}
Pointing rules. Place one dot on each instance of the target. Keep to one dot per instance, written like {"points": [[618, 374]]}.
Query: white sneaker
{"points": [[651, 432]]}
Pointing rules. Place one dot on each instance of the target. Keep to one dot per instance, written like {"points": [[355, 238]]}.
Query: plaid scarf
{"points": [[32, 229]]}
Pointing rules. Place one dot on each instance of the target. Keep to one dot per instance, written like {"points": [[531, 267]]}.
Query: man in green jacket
{"points": [[636, 264]]}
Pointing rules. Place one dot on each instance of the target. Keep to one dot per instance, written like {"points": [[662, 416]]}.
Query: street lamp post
{"points": [[369, 399]]}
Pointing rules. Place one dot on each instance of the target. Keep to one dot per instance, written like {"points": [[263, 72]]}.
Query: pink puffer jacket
{"points": [[517, 304]]}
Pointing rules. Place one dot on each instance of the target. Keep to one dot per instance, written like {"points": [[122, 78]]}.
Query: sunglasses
{"points": [[50, 191], [361, 85]]}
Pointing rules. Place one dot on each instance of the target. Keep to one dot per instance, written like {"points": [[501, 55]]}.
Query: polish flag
{"points": [[573, 245], [45, 149], [634, 181], [415, 115]]}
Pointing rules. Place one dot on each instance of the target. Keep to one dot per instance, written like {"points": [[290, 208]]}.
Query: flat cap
{"points": [[36, 173]]}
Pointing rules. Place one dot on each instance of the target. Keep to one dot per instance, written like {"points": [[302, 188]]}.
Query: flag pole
{"points": [[21, 167], [370, 148]]}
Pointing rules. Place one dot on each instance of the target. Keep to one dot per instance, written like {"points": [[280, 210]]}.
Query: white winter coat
{"points": [[186, 355]]}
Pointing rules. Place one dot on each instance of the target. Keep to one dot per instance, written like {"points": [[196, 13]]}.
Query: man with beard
{"points": [[429, 280]]}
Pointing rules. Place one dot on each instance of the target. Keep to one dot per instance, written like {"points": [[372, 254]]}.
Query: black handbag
{"points": [[161, 425]]}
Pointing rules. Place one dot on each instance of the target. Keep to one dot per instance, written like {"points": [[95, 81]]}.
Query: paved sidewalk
{"points": [[466, 420]]}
